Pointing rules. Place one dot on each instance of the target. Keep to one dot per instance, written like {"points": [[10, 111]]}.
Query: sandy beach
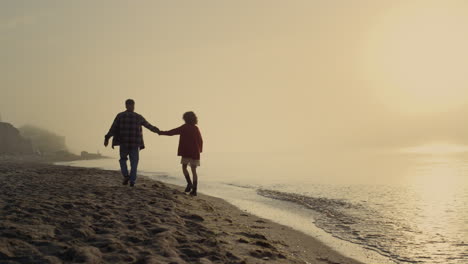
{"points": [[60, 214]]}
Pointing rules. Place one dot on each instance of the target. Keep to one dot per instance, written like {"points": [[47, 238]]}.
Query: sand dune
{"points": [[58, 214]]}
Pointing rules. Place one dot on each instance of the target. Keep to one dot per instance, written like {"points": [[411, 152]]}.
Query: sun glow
{"points": [[437, 148], [416, 58]]}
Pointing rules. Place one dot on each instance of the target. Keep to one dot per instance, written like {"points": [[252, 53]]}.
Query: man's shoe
{"points": [[125, 180], [132, 184], [193, 192]]}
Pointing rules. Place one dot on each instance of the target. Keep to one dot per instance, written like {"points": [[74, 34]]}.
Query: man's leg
{"points": [[134, 158], [187, 178], [123, 164], [195, 180]]}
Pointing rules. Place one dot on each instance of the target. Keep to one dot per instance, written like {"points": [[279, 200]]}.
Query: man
{"points": [[128, 134]]}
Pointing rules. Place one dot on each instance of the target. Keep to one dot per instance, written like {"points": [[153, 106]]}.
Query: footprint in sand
{"points": [[253, 235], [258, 227], [194, 217], [266, 254]]}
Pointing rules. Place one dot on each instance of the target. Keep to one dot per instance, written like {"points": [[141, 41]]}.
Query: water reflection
{"points": [[438, 190]]}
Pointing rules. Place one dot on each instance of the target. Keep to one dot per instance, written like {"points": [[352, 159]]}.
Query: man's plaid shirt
{"points": [[127, 130]]}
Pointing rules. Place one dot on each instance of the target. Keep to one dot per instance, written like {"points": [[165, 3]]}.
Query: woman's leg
{"points": [[187, 178], [195, 180]]}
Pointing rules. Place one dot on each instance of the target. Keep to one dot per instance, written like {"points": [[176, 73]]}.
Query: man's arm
{"points": [[112, 131], [148, 125]]}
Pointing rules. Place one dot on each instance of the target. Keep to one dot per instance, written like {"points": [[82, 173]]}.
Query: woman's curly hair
{"points": [[190, 118]]}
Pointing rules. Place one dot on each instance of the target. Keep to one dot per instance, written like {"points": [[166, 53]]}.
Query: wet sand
{"points": [[60, 214]]}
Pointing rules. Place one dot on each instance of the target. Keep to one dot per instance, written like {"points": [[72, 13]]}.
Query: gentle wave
{"points": [[360, 224]]}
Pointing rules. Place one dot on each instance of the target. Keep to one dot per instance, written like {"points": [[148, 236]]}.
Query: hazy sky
{"points": [[262, 75]]}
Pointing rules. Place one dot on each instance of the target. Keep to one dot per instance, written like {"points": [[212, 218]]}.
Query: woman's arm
{"points": [[175, 131], [200, 140]]}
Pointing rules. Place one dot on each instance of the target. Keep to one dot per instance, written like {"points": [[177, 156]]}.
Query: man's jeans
{"points": [[134, 153]]}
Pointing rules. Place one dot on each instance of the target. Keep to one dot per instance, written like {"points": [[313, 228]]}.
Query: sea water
{"points": [[377, 207]]}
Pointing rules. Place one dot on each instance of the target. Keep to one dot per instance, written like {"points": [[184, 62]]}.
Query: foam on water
{"points": [[386, 224]]}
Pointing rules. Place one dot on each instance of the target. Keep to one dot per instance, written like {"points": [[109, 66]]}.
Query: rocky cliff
{"points": [[11, 142], [42, 140]]}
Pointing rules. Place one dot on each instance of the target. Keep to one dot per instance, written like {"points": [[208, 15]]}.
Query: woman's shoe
{"points": [[188, 188]]}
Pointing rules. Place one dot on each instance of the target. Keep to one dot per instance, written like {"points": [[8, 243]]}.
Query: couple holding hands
{"points": [[127, 133]]}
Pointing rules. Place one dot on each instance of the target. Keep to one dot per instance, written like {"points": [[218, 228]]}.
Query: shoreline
{"points": [[50, 196], [46, 159], [286, 214]]}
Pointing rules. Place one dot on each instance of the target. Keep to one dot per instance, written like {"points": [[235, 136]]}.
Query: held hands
{"points": [[156, 130]]}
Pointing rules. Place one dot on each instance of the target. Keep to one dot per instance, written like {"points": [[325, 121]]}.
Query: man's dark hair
{"points": [[129, 102], [190, 118]]}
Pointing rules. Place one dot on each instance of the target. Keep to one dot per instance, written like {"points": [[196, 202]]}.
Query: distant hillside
{"points": [[11, 141], [42, 140]]}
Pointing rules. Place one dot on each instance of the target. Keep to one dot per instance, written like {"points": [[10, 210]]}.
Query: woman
{"points": [[190, 147]]}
